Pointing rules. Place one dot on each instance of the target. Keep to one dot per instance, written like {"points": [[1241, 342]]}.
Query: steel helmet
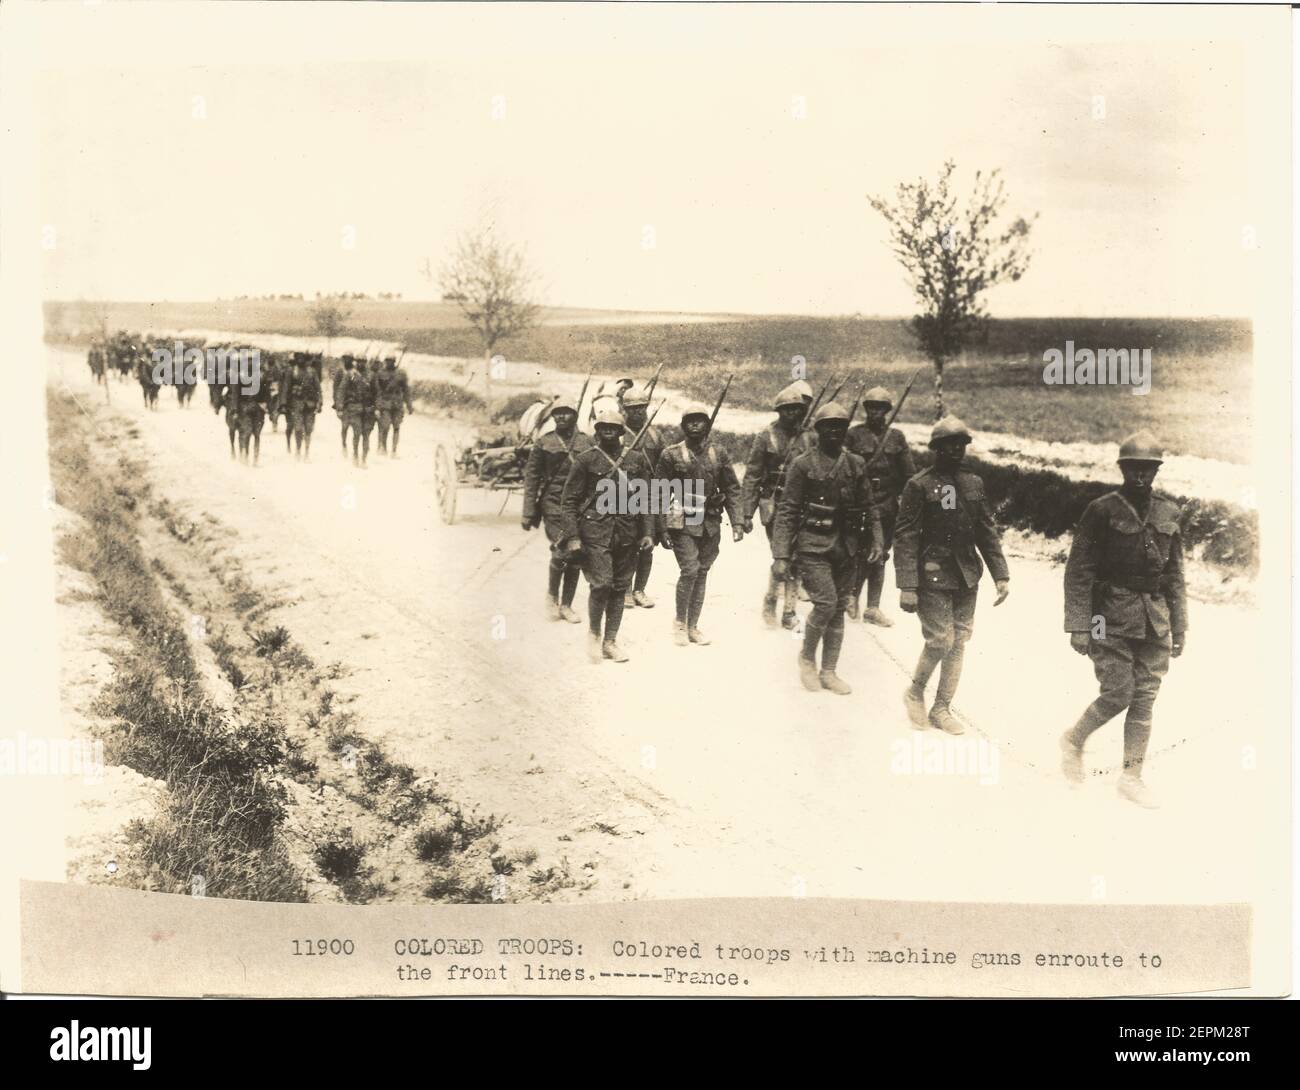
{"points": [[608, 415], [634, 398], [878, 395], [948, 428], [694, 412], [1141, 447], [831, 411], [563, 404], [791, 395], [802, 388]]}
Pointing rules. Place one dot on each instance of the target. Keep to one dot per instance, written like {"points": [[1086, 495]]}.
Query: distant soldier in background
{"points": [[708, 486], [273, 375], [342, 373], [891, 469], [392, 395], [607, 539], [1126, 608], [230, 396], [253, 408], [635, 404], [96, 358], [359, 411], [771, 450], [300, 401], [944, 526], [544, 476], [144, 375], [609, 396], [826, 510]]}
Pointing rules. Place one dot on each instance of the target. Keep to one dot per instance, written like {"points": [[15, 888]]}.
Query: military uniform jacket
{"points": [[1127, 569], [824, 504], [340, 380], [651, 445], [359, 390], [944, 526], [300, 391], [393, 389], [721, 490], [892, 469], [599, 527], [547, 470], [768, 454]]}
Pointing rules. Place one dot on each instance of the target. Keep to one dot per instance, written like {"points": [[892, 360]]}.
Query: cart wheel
{"points": [[444, 482]]}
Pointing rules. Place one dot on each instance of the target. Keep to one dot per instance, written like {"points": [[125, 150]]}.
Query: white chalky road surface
{"points": [[719, 773]]}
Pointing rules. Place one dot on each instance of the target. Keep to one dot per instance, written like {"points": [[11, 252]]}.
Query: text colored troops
{"points": [[635, 404], [392, 397], [1126, 608], [890, 467], [300, 401], [825, 510], [707, 486], [944, 527], [607, 537], [544, 477], [769, 455]]}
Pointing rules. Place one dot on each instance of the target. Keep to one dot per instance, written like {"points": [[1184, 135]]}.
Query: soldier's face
{"points": [[635, 415], [564, 421], [695, 427], [1139, 476], [948, 453], [831, 435], [609, 436], [790, 415], [876, 416]]}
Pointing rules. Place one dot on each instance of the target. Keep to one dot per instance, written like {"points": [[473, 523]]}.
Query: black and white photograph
{"points": [[709, 466]]}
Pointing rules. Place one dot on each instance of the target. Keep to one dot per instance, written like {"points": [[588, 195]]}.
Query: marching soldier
{"points": [[607, 539], [891, 469], [707, 486], [252, 416], [339, 385], [1126, 608], [274, 373], [944, 526], [820, 520], [544, 479], [359, 410], [392, 394], [230, 397], [635, 403], [769, 453], [300, 401]]}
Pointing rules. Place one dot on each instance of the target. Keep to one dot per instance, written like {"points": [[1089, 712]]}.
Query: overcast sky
{"points": [[234, 158]]}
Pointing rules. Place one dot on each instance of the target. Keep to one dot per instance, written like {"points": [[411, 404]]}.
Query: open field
{"points": [[1202, 370]]}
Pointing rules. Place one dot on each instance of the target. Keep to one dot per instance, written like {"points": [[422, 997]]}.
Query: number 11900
{"points": [[322, 947]]}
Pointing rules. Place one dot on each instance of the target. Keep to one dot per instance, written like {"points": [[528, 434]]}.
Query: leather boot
{"points": [[552, 607], [808, 674], [941, 716], [593, 647], [875, 615], [1133, 789], [679, 634], [830, 680], [641, 598], [1071, 759], [611, 650]]}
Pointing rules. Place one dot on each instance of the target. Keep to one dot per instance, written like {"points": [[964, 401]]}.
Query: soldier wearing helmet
{"points": [[825, 509], [1126, 608], [300, 401], [890, 466], [359, 410], [944, 526], [603, 521], [342, 373], [702, 485], [392, 396], [770, 454], [544, 477], [635, 404]]}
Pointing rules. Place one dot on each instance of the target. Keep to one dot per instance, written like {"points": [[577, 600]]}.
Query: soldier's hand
{"points": [[526, 523], [907, 601], [573, 545], [780, 568], [749, 526], [737, 532], [647, 542], [1004, 588], [1180, 641], [1080, 641], [876, 554]]}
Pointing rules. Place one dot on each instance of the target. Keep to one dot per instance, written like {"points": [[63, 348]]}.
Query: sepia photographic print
{"points": [[636, 499]]}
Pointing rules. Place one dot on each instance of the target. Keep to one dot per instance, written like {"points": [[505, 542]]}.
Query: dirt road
{"points": [[709, 771]]}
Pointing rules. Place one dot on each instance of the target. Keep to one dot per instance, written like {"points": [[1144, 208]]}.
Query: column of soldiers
{"points": [[834, 501]]}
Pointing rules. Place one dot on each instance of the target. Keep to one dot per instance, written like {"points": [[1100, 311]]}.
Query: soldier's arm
{"points": [[904, 461], [753, 476], [786, 523], [575, 488], [534, 474], [404, 383], [989, 540], [1175, 587], [646, 521], [664, 473], [907, 537], [868, 498], [320, 396], [730, 485], [1081, 569]]}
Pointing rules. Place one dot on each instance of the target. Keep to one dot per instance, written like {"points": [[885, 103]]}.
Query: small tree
{"points": [[952, 258], [329, 317], [492, 284]]}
